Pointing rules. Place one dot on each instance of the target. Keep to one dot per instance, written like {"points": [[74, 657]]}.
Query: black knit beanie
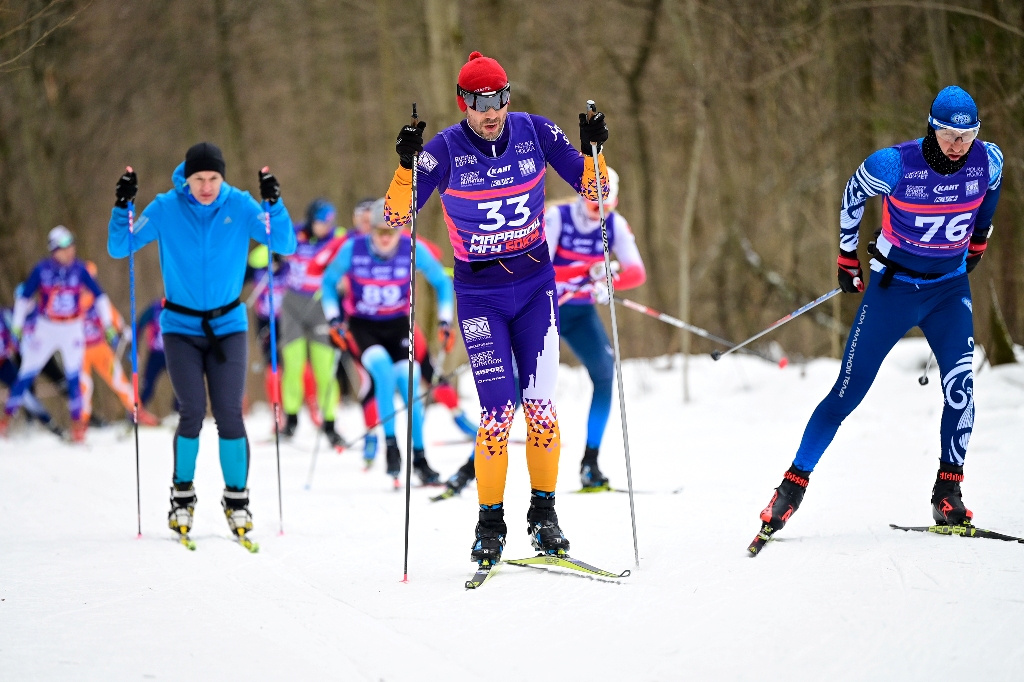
{"points": [[204, 156]]}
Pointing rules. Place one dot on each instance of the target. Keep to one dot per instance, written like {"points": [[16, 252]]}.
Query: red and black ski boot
{"points": [[785, 501], [947, 506]]}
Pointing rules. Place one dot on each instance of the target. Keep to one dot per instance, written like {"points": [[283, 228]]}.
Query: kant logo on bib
{"points": [[940, 189], [476, 329], [495, 172]]}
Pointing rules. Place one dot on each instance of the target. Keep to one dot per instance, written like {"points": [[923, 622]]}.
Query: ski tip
{"points": [[139, 536]]}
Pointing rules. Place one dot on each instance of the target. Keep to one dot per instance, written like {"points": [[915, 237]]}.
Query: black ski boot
{"points": [[236, 508], [426, 475], [336, 441], [490, 535], [542, 525], [590, 476], [183, 507], [290, 424], [394, 457], [786, 499], [461, 478], [947, 506]]}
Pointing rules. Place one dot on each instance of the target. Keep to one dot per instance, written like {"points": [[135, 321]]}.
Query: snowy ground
{"points": [[840, 596]]}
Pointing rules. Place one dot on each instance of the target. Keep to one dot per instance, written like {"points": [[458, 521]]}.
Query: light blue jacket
{"points": [[203, 249]]}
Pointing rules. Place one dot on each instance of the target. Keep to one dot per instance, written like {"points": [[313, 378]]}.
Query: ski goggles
{"points": [[482, 101], [949, 134]]}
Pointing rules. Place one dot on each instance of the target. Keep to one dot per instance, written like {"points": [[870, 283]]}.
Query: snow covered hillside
{"points": [[839, 596]]}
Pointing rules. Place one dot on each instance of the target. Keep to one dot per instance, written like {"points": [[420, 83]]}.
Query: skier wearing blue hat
{"points": [[938, 193]]}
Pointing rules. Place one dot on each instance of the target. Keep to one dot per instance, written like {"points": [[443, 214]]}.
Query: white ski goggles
{"points": [[949, 134], [482, 101]]}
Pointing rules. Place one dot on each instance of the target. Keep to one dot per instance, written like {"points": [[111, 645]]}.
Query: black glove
{"points": [[127, 188], [593, 131], [975, 250], [270, 188], [850, 273], [409, 142]]}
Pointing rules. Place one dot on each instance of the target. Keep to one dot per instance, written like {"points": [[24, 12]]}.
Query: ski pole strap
{"points": [[891, 268], [206, 316]]}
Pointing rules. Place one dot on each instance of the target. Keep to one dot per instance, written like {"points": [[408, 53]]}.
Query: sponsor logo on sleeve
{"points": [[466, 160], [427, 161], [527, 167], [556, 131], [916, 192], [967, 302], [972, 187], [476, 329]]}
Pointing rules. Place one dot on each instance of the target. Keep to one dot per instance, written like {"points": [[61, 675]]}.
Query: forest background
{"points": [[734, 125]]}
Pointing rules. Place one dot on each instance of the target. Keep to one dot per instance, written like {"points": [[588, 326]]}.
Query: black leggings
{"points": [[193, 366]]}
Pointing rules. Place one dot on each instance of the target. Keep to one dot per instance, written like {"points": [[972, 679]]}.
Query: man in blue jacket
{"points": [[203, 227]]}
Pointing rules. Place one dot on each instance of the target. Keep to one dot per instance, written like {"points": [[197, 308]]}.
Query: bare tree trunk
{"points": [[226, 74], [443, 36], [938, 41]]}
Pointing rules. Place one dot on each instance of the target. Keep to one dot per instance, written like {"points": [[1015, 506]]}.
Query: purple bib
{"points": [[378, 289], [494, 208], [574, 247], [931, 215]]}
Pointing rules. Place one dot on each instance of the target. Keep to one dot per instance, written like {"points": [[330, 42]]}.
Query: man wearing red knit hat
{"points": [[489, 172]]}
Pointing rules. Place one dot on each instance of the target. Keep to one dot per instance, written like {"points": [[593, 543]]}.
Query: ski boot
{"points": [[291, 422], [591, 477], [146, 418], [183, 507], [369, 450], [236, 508], [490, 535], [426, 475], [947, 506], [461, 478], [335, 439], [394, 458], [78, 429], [785, 501], [542, 525]]}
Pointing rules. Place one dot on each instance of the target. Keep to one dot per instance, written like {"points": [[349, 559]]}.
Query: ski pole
{"points": [[796, 313], [412, 355], [275, 389], [923, 380], [703, 333], [135, 359], [323, 399], [591, 111]]}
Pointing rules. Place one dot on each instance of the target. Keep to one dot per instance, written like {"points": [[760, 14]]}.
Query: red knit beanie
{"points": [[480, 74]]}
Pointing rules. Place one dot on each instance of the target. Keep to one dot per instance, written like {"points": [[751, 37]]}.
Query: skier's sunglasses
{"points": [[483, 101], [950, 135]]}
